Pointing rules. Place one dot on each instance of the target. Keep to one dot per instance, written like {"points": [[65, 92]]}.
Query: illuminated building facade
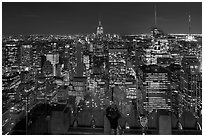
{"points": [[191, 84], [175, 73], [66, 56], [79, 86], [80, 66], [118, 76], [54, 59], [157, 53], [37, 59], [176, 53], [26, 55], [117, 66], [10, 56], [155, 82], [69, 60], [98, 73], [10, 84]]}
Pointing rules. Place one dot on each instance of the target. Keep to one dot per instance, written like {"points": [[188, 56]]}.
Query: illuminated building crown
{"points": [[99, 29]]}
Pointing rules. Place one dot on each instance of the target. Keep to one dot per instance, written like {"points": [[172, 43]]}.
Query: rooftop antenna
{"points": [[99, 19], [155, 15], [189, 23], [100, 23]]}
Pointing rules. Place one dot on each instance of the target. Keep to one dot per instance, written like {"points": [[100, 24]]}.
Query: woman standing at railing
{"points": [[113, 114]]}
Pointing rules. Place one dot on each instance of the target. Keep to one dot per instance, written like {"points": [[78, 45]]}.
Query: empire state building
{"points": [[99, 29]]}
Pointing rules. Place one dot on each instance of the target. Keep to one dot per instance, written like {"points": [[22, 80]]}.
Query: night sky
{"points": [[82, 18]]}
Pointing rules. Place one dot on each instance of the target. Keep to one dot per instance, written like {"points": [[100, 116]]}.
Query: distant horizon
{"points": [[95, 33]]}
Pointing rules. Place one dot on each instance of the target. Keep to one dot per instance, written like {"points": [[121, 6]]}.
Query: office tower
{"points": [[10, 56], [155, 85], [66, 57], [86, 62], [26, 55], [117, 72], [80, 65], [175, 73], [54, 59], [37, 58], [176, 53], [10, 84], [157, 53], [79, 84], [191, 83], [117, 66]]}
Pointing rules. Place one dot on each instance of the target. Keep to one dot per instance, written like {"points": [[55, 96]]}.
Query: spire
{"points": [[99, 28], [155, 15], [189, 21], [100, 23]]}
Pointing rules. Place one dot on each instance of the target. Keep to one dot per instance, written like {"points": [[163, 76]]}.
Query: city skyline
{"points": [[82, 18], [81, 69]]}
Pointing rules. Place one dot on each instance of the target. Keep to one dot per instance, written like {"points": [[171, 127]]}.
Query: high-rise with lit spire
{"points": [[155, 31], [99, 29], [189, 37]]}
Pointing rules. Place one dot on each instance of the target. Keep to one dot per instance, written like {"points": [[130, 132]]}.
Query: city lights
{"points": [[101, 82]]}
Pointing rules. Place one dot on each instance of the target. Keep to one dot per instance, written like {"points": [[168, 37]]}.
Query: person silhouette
{"points": [[113, 114]]}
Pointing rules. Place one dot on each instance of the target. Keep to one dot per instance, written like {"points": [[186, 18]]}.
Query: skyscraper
{"points": [[156, 84], [80, 65], [99, 29], [54, 59], [191, 83], [189, 37], [26, 55]]}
